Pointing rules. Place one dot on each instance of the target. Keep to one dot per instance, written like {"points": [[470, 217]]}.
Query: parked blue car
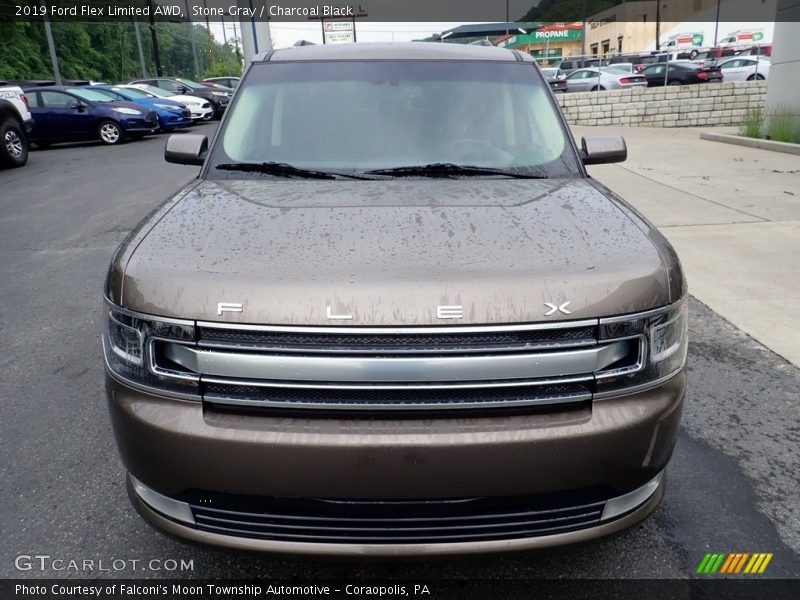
{"points": [[171, 114], [65, 114]]}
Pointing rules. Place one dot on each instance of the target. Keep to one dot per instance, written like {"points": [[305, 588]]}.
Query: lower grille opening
{"points": [[397, 521], [239, 396]]}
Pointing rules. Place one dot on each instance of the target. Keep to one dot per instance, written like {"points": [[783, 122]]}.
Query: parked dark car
{"points": [[569, 65], [643, 60], [65, 114], [680, 74], [171, 114], [218, 98], [711, 56], [230, 82], [555, 77]]}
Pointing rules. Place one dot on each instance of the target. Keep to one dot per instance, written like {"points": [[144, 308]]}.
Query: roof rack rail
{"points": [[303, 43]]}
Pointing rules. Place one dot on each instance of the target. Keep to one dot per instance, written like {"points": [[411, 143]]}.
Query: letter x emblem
{"points": [[554, 309]]}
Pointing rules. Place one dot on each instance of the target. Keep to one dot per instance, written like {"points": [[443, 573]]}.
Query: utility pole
{"points": [[52, 46], [191, 37], [583, 35], [658, 25], [716, 24], [154, 38], [208, 25], [139, 46]]}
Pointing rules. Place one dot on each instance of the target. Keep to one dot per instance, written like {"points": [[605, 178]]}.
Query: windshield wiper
{"points": [[451, 170], [283, 170]]}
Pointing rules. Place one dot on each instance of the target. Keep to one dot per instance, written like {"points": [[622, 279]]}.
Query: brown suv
{"points": [[394, 316]]}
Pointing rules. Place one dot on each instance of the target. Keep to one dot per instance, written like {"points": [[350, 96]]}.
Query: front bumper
{"points": [[618, 444], [200, 114], [171, 120], [138, 125], [141, 497]]}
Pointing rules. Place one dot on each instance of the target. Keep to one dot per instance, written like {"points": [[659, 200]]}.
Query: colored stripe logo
{"points": [[734, 563]]}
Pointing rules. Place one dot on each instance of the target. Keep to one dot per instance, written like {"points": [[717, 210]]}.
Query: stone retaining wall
{"points": [[670, 106]]}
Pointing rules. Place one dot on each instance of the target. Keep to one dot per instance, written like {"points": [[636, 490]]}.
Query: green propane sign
{"points": [[560, 35]]}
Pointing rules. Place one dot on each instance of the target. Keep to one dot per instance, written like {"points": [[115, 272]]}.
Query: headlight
{"points": [[167, 106], [126, 111], [222, 94], [663, 345], [131, 348]]}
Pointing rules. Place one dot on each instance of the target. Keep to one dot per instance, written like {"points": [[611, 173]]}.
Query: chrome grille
{"points": [[406, 343], [402, 521], [396, 369]]}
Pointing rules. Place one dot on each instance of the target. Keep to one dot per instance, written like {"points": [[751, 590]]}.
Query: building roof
{"points": [[489, 29], [395, 50]]}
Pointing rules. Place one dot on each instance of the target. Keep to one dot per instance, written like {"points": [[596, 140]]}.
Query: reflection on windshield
{"points": [[131, 92], [91, 95], [191, 84], [362, 116]]}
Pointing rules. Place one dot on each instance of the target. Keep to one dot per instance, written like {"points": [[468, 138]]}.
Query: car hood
{"points": [[124, 104], [390, 252], [183, 99], [151, 103]]}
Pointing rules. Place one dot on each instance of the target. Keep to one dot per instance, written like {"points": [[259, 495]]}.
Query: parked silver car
{"points": [[585, 80]]}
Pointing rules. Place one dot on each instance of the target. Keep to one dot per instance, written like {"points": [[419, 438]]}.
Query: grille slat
{"points": [[393, 398], [401, 521], [405, 344]]}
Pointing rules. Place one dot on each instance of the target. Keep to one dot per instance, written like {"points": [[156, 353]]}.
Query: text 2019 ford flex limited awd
{"points": [[393, 316]]}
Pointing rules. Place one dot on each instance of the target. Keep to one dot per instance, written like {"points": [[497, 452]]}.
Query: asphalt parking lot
{"points": [[62, 489]]}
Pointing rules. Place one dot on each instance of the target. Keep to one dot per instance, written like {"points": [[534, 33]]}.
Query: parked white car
{"points": [[200, 109], [15, 124], [744, 68], [586, 80]]}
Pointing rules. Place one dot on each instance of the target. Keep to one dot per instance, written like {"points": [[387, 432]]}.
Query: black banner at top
{"points": [[465, 11]]}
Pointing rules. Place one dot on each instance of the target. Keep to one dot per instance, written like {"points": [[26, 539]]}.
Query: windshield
{"points": [[132, 92], [192, 84], [358, 116], [91, 95], [111, 95], [154, 91]]}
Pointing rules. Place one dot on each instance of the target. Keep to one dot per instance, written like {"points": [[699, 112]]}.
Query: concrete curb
{"points": [[751, 142]]}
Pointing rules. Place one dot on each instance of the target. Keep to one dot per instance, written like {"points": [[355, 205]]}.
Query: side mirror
{"points": [[186, 149], [602, 149], [183, 90]]}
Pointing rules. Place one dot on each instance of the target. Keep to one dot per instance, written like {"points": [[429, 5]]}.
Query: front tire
{"points": [[674, 82], [109, 133], [597, 88], [13, 145]]}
